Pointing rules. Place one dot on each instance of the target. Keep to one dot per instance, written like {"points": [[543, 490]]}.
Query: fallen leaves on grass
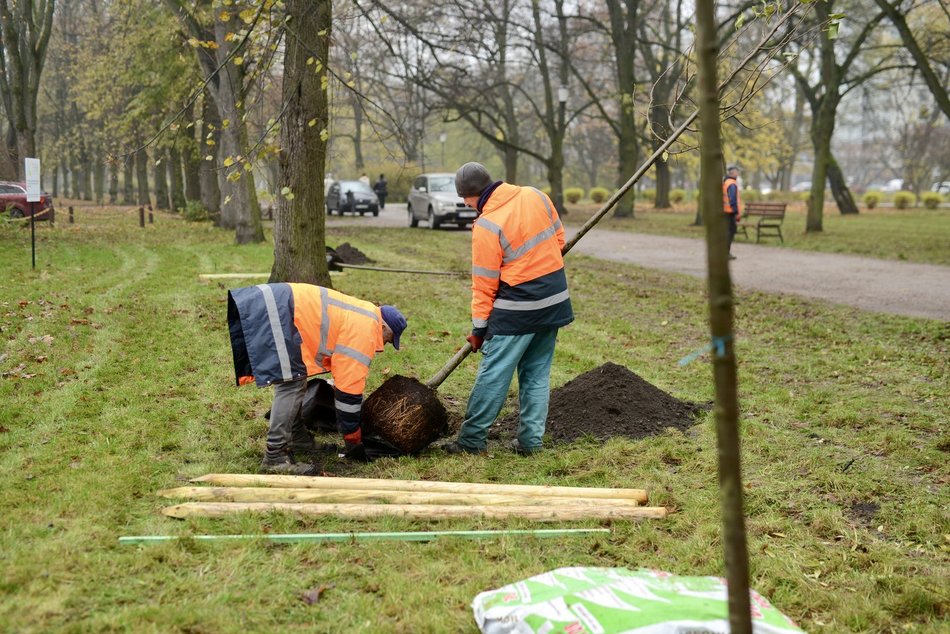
{"points": [[313, 595]]}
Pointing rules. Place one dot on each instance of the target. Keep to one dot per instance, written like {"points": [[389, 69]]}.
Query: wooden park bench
{"points": [[770, 217]]}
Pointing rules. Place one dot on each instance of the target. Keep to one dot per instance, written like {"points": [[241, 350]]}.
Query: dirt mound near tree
{"points": [[348, 254], [606, 402]]}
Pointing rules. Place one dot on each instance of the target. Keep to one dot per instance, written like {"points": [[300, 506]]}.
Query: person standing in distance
{"points": [[730, 203], [519, 301], [381, 187]]}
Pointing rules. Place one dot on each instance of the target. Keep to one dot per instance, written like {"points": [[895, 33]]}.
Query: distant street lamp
{"points": [[442, 138], [562, 95]]}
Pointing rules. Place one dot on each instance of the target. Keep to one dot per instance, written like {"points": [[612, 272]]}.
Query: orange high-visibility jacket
{"points": [[518, 280], [283, 332], [727, 203]]}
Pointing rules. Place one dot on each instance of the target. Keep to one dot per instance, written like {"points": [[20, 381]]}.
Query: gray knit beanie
{"points": [[471, 179]]}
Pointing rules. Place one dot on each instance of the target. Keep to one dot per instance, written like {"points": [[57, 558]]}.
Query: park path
{"points": [[886, 286]]}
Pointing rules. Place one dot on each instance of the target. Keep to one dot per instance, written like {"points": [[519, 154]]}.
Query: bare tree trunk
{"points": [[128, 186], [113, 184], [357, 131], [190, 159], [210, 189], [721, 316], [25, 29], [55, 180], [98, 169], [660, 131], [239, 208], [141, 173], [175, 182], [160, 179], [299, 226], [839, 188]]}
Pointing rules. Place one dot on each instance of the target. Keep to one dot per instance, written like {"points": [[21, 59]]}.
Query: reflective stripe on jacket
{"points": [[730, 199], [283, 332], [518, 280]]}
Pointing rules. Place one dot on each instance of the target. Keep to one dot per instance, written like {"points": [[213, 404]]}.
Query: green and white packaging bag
{"points": [[615, 601]]}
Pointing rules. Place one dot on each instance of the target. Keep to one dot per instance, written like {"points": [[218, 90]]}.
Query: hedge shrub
{"points": [[677, 196], [931, 200], [751, 195], [573, 194], [904, 199], [598, 194], [648, 194], [872, 198]]}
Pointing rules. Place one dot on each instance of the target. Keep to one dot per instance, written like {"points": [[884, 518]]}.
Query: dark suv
{"points": [[353, 196], [13, 201]]}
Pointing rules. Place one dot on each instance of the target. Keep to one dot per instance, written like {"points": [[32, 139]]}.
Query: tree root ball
{"points": [[406, 413]]}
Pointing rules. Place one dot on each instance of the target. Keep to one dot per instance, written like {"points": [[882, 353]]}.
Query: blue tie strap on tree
{"points": [[718, 343]]}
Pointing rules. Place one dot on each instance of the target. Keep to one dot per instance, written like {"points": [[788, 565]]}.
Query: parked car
{"points": [[893, 185], [353, 196], [13, 201], [432, 198], [802, 187]]}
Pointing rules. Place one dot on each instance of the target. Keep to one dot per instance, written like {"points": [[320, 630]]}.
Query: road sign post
{"points": [[33, 195]]}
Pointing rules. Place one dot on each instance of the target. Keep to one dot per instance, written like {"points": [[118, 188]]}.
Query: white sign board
{"points": [[33, 190]]}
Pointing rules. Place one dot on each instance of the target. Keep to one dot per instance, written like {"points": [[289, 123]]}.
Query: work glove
{"points": [[353, 448], [353, 438], [476, 342]]}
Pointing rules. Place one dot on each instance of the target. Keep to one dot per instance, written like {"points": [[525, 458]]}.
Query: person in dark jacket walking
{"points": [[730, 203], [381, 187], [519, 301], [283, 333]]}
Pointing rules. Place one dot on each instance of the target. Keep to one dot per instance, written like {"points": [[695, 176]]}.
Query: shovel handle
{"points": [[449, 367]]}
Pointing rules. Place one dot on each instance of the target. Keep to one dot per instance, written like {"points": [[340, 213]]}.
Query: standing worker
{"points": [[730, 203], [519, 301], [382, 190], [283, 333]]}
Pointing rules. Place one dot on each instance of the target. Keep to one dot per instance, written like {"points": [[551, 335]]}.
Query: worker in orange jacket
{"points": [[283, 333], [731, 203], [519, 301]]}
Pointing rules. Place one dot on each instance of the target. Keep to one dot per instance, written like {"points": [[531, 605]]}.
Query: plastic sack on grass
{"points": [[615, 600]]}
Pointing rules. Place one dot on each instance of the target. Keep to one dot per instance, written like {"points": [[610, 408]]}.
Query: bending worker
{"points": [[283, 333], [519, 301]]}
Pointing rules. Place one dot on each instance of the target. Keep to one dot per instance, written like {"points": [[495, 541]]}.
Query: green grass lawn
{"points": [[915, 235], [116, 381]]}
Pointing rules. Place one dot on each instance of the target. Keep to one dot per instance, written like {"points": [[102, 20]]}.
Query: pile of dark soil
{"points": [[406, 413], [606, 402], [348, 254]]}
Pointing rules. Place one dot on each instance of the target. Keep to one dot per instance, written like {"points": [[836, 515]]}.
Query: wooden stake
{"points": [[414, 536], [251, 494], [372, 484], [546, 513]]}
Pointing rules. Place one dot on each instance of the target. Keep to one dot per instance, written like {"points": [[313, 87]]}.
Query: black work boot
{"points": [[282, 463], [301, 442]]}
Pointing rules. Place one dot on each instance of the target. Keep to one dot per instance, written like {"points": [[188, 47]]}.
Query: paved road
{"points": [[887, 286]]}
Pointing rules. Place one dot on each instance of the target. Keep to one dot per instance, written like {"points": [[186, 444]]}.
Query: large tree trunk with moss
{"points": [[822, 130], [659, 131], [623, 25], [721, 317], [628, 157], [299, 225]]}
